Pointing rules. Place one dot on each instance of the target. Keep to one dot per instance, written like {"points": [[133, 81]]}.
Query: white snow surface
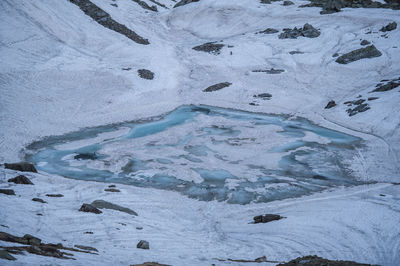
{"points": [[62, 71]]}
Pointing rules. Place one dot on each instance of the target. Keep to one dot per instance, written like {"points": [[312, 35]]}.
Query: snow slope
{"points": [[62, 71]]}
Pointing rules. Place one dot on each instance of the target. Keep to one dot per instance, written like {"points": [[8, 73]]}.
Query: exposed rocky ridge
{"points": [[315, 261], [367, 52], [332, 6], [34, 245], [104, 19]]}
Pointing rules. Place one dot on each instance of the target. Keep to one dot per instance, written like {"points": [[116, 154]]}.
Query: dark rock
{"points": [[146, 74], [21, 179], [185, 2], [143, 244], [89, 208], [367, 52], [7, 191], [254, 104], [269, 31], [5, 255], [126, 68], [114, 5], [112, 190], [358, 102], [295, 52], [209, 47], [266, 218], [102, 204], [307, 31], [364, 42], [86, 248], [359, 109], [332, 6], [32, 240], [268, 1], [150, 264], [389, 27], [372, 98], [88, 233], [217, 87], [264, 96], [335, 55], [25, 240], [55, 195], [23, 167], [315, 260], [269, 71], [86, 156], [104, 19], [112, 186], [288, 3], [145, 5], [330, 104], [387, 86]]}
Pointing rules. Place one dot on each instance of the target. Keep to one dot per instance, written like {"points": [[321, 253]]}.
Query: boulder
{"points": [[217, 87], [367, 52], [102, 204], [39, 200], [89, 208], [266, 218], [21, 179], [209, 47], [143, 244], [288, 3], [7, 191], [389, 27], [146, 74], [330, 104], [22, 166], [55, 195], [269, 31], [5, 255]]}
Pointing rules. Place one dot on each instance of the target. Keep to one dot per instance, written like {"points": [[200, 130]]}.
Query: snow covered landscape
{"points": [[167, 131]]}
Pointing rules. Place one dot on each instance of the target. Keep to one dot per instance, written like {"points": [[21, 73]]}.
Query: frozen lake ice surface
{"points": [[208, 153]]}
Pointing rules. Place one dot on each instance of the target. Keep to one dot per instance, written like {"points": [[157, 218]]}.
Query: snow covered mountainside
{"points": [[68, 65]]}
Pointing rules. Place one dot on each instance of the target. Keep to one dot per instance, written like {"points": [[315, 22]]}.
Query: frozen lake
{"points": [[207, 153]]}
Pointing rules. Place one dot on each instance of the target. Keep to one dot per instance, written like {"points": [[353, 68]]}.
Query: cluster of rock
{"points": [[359, 106], [104, 19], [34, 245], [209, 47], [387, 85], [332, 6], [307, 31]]}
